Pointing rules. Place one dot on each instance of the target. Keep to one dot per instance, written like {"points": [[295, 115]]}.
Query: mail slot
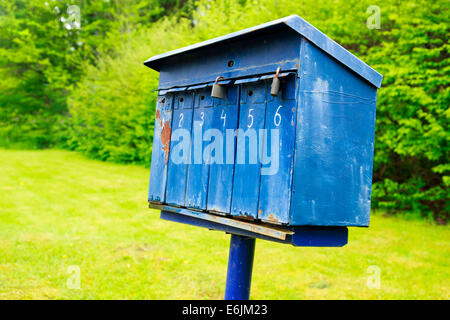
{"points": [[289, 143]]}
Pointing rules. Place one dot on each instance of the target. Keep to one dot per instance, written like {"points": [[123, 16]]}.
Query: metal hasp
{"points": [[240, 266]]}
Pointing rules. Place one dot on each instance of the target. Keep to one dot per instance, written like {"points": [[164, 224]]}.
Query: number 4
{"points": [[223, 116]]}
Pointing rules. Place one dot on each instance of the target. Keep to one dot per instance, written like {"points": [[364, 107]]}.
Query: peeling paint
{"points": [[165, 139], [272, 217], [158, 117]]}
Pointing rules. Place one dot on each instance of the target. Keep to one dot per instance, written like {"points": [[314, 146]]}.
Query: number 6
{"points": [[277, 116]]}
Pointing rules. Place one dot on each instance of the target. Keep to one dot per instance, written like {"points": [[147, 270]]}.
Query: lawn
{"points": [[64, 217]]}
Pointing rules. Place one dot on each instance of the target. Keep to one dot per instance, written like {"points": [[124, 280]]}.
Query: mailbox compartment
{"points": [[225, 118], [180, 147], [161, 147], [247, 169], [198, 168], [278, 153]]}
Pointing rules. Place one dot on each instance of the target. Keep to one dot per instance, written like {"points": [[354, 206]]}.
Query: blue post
{"points": [[240, 265]]}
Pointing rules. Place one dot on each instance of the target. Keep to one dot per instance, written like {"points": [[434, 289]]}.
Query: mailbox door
{"points": [[180, 147], [198, 169], [278, 154], [225, 117], [247, 163], [160, 150]]}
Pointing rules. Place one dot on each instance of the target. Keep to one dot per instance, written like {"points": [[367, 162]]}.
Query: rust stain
{"points": [[165, 139], [158, 117], [271, 217]]}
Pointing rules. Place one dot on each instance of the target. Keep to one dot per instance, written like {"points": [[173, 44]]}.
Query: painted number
{"points": [[277, 117], [250, 117], [223, 116], [202, 116], [180, 123]]}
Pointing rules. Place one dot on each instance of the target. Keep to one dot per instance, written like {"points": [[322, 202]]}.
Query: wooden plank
{"points": [[198, 170], [247, 166], [278, 154], [221, 174], [180, 146], [160, 150], [273, 232]]}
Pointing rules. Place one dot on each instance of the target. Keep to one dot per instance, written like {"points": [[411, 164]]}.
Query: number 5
{"points": [[250, 117]]}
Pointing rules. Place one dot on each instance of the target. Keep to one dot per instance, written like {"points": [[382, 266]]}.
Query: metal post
{"points": [[240, 265]]}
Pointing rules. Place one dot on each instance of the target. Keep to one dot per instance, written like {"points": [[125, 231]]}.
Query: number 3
{"points": [[202, 116]]}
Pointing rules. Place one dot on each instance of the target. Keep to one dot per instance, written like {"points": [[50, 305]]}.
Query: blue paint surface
{"points": [[334, 144], [160, 152], [177, 171], [275, 50], [285, 25], [247, 170], [225, 117], [275, 189], [198, 171], [240, 267]]}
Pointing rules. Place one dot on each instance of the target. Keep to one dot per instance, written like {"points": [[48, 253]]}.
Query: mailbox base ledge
{"points": [[303, 236]]}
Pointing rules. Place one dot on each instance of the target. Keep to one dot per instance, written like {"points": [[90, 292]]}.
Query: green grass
{"points": [[59, 209]]}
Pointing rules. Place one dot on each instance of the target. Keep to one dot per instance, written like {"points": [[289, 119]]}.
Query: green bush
{"points": [[88, 90], [112, 109], [42, 56]]}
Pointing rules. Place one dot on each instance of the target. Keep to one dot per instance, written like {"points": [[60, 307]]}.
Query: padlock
{"points": [[275, 86], [218, 91]]}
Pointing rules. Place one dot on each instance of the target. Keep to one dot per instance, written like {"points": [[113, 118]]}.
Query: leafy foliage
{"points": [[43, 54], [111, 107]]}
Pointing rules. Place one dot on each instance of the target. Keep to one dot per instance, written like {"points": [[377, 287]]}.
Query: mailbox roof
{"points": [[295, 23]]}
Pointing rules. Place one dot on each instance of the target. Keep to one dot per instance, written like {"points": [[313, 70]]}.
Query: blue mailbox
{"points": [[286, 145], [264, 133]]}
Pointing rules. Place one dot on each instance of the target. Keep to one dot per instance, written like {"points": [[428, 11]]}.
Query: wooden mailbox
{"points": [[298, 161]]}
